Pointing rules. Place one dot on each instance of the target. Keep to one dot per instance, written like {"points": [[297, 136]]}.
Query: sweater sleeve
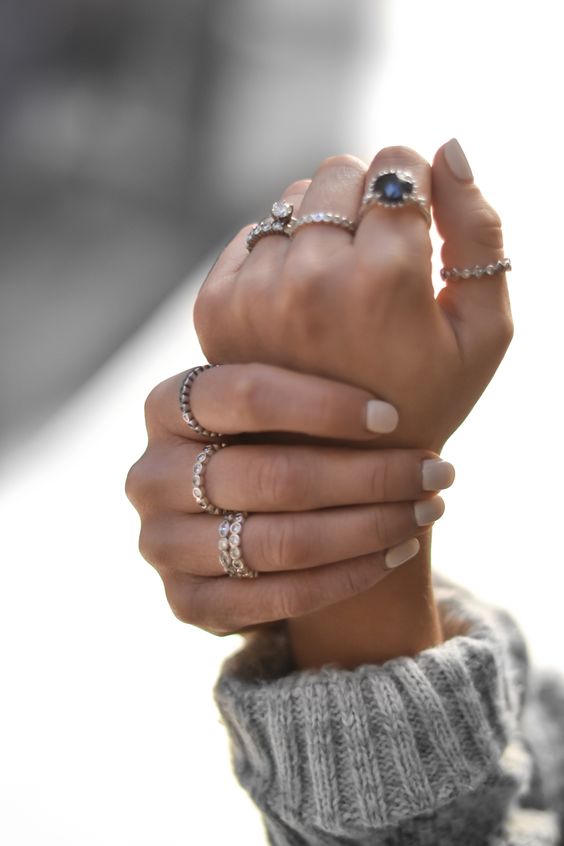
{"points": [[425, 750]]}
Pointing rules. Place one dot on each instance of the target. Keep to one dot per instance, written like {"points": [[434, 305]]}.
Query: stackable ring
{"points": [[230, 551], [184, 399], [277, 223], [394, 189], [198, 473], [323, 217], [476, 272]]}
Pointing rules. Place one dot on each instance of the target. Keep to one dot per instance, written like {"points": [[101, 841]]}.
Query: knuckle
{"points": [[281, 546], [305, 264], [276, 480], [381, 524], [184, 600], [154, 404], [135, 483], [154, 544], [485, 226], [246, 398]]}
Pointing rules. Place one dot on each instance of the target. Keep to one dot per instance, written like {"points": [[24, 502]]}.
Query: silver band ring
{"points": [[198, 473], [230, 551], [394, 189], [323, 217], [184, 399], [277, 223], [476, 272]]}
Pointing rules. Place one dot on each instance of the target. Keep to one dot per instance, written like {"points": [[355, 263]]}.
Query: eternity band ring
{"points": [[394, 189], [323, 217], [477, 271]]}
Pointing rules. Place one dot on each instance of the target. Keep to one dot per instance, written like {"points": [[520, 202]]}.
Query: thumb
{"points": [[472, 235]]}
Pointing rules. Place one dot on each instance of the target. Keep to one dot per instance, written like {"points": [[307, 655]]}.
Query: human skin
{"points": [[363, 311], [326, 523]]}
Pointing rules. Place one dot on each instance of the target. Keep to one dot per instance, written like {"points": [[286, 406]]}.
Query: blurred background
{"points": [[135, 138]]}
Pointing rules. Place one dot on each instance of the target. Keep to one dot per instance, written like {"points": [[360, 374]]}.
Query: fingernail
{"points": [[457, 161], [401, 553], [429, 510], [381, 417], [436, 474]]}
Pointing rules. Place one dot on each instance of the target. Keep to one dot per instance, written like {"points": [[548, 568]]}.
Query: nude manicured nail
{"points": [[429, 510], [401, 553], [436, 474], [457, 162], [381, 417]]}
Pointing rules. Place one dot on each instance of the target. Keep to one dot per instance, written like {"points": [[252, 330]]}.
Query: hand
{"points": [[362, 310], [326, 524]]}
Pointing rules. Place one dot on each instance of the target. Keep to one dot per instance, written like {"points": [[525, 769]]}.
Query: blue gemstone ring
{"points": [[395, 189]]}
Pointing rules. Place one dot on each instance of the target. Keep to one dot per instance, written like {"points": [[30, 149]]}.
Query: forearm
{"points": [[396, 617]]}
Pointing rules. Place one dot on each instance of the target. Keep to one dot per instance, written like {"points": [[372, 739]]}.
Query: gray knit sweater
{"points": [[462, 744]]}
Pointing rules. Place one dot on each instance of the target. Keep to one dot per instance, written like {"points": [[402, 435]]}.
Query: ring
{"points": [[198, 473], [394, 189], [277, 223], [479, 270], [184, 399], [230, 552], [323, 217]]}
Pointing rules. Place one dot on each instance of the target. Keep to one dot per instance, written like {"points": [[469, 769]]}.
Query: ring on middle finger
{"points": [[198, 473], [323, 217], [393, 189], [277, 223]]}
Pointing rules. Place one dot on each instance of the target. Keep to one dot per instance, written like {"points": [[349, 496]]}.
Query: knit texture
{"points": [[422, 751]]}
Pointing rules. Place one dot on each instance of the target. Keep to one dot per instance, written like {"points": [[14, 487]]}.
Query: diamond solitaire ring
{"points": [[277, 223]]}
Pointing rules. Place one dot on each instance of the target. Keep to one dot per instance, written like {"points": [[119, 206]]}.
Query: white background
{"points": [[108, 734]]}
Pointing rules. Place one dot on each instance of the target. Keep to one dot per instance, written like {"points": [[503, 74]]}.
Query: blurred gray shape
{"points": [[135, 136]]}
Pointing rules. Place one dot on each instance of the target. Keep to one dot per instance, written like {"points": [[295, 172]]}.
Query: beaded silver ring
{"points": [[323, 217], [229, 544], [184, 400], [476, 272], [395, 189], [277, 223], [198, 473]]}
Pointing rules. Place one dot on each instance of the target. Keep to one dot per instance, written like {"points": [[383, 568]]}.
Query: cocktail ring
{"points": [[394, 189], [277, 223], [323, 217], [230, 552], [184, 399], [476, 272], [198, 473]]}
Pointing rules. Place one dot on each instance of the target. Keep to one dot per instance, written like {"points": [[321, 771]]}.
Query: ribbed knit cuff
{"points": [[372, 747]]}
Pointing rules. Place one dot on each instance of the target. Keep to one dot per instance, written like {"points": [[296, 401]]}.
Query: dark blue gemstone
{"points": [[391, 188]]}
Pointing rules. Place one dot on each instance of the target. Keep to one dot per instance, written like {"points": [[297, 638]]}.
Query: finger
{"points": [[273, 543], [271, 249], [336, 188], [398, 237], [232, 257], [285, 478], [472, 235], [226, 605], [239, 398]]}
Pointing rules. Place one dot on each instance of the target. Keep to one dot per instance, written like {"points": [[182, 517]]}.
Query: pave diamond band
{"points": [[277, 223], [184, 400], [323, 217], [393, 189], [198, 473], [476, 272], [229, 544]]}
